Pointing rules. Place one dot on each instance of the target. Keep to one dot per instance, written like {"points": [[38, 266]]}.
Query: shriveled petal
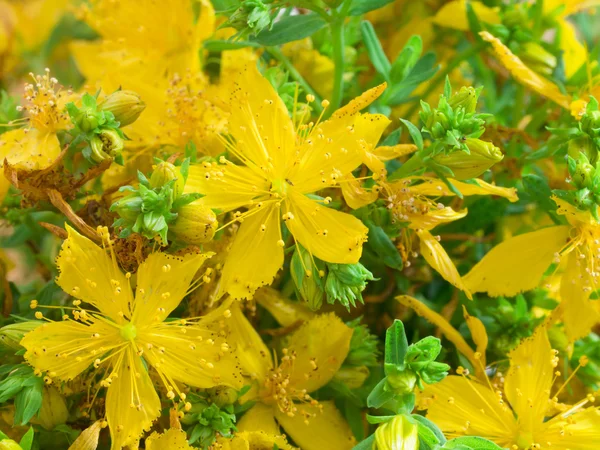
{"points": [[163, 280], [132, 403], [29, 149], [328, 234], [4, 186], [172, 439], [355, 195], [89, 273], [65, 349], [259, 417], [194, 354], [255, 255], [462, 406], [326, 428], [320, 346], [517, 264], [445, 327], [260, 124], [529, 379], [579, 313], [579, 431], [226, 186], [253, 354], [436, 257], [478, 334], [524, 74], [285, 311], [435, 187]]}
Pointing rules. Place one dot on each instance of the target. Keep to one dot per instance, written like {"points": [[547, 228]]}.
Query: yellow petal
{"points": [[355, 195], [435, 217], [435, 187], [360, 102], [326, 429], [172, 439], [436, 257], [524, 74], [4, 186], [529, 379], [132, 404], [574, 52], [163, 280], [235, 188], [323, 341], [386, 152], [579, 313], [330, 235], [71, 339], [88, 273], [88, 439], [285, 311], [29, 149], [260, 123], [255, 256], [579, 431], [457, 401], [259, 417], [445, 327], [454, 14], [370, 127], [254, 440], [253, 354], [517, 264], [573, 215], [478, 334]]}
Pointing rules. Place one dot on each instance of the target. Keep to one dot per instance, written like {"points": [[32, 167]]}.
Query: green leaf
{"points": [[474, 23], [362, 6], [383, 246], [28, 402], [476, 443], [291, 28], [407, 59], [27, 440], [396, 344], [432, 428], [379, 396], [375, 51], [538, 190], [221, 45], [367, 444], [415, 134]]}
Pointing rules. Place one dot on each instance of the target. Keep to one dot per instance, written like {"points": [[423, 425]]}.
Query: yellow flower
{"points": [[314, 67], [312, 356], [519, 264], [409, 202], [284, 162], [521, 414], [126, 333], [252, 440], [173, 438], [454, 14], [37, 146]]}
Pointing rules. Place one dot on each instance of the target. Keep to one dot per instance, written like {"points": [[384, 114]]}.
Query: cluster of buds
{"points": [[250, 17], [158, 206], [99, 124]]}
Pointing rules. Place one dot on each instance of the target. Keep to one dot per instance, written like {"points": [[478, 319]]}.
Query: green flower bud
{"points": [[106, 144], [253, 15], [87, 120], [345, 282], [165, 172], [195, 224], [126, 106], [11, 335], [222, 395], [307, 278], [583, 172], [585, 145], [128, 207], [403, 382], [464, 165], [352, 377], [536, 57], [515, 17], [466, 97], [54, 409], [397, 434], [9, 444], [590, 123]]}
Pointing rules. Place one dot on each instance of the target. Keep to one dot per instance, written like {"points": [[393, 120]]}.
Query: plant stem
{"points": [[337, 40], [276, 53]]}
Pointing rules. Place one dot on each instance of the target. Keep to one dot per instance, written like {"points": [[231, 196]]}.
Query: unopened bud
{"points": [[397, 434], [403, 382], [581, 171], [466, 98], [222, 395], [106, 144], [126, 106], [470, 165], [54, 409], [165, 172], [590, 123], [11, 335], [195, 224], [585, 145]]}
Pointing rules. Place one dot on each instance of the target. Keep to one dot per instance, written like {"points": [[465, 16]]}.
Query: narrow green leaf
{"points": [[415, 134], [291, 28], [396, 344], [367, 444], [363, 6], [27, 440], [375, 51], [476, 443], [407, 59]]}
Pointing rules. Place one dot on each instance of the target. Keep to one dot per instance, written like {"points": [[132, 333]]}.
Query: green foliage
{"points": [[345, 283], [20, 383]]}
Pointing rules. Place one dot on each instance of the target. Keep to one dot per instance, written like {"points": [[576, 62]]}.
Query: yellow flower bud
{"points": [[195, 224], [403, 382], [9, 444], [222, 395], [11, 335], [107, 144], [397, 434], [165, 172], [54, 409], [483, 156], [465, 97], [352, 377], [125, 105]]}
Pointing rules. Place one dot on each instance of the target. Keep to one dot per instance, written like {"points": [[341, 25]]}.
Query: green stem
{"points": [[276, 53], [465, 54], [337, 40]]}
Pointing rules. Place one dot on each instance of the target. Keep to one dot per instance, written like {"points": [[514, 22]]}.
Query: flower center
{"points": [[128, 332], [524, 439], [280, 187]]}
